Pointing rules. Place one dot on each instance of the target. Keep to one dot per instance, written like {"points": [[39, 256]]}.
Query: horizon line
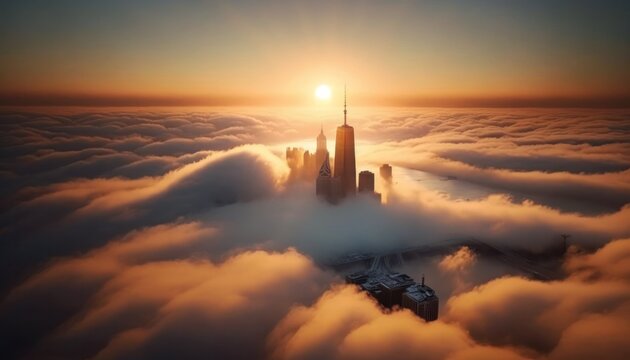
{"points": [[83, 100]]}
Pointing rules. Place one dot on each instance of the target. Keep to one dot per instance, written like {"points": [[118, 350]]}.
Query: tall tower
{"points": [[322, 149], [345, 165]]}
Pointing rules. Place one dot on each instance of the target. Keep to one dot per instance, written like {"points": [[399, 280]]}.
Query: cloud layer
{"points": [[576, 160], [138, 234], [510, 317], [125, 299]]}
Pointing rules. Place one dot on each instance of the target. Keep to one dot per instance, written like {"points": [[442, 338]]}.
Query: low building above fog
{"points": [[366, 185], [398, 290]]}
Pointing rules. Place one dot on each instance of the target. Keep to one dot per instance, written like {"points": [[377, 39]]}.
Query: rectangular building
{"points": [[422, 300], [393, 286], [366, 181], [396, 289]]}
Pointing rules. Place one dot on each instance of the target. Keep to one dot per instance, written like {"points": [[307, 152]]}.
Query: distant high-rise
{"points": [[309, 170], [386, 172], [366, 181], [295, 161], [345, 166], [366, 185], [322, 149]]}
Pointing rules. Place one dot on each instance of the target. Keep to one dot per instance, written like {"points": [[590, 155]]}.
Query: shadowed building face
{"points": [[345, 165], [366, 181]]}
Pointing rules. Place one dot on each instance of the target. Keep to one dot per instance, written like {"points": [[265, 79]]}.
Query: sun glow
{"points": [[322, 92]]}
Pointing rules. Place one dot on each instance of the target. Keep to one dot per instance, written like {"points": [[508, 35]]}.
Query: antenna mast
{"points": [[345, 111]]}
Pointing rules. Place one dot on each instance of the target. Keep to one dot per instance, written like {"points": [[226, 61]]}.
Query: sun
{"points": [[322, 92]]}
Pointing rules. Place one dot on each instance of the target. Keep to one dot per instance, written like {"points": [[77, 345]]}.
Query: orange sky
{"points": [[490, 54]]}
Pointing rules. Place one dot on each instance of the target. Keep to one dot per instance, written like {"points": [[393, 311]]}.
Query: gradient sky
{"points": [[397, 52]]}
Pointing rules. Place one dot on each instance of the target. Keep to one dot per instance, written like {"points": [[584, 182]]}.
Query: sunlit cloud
{"points": [[129, 224]]}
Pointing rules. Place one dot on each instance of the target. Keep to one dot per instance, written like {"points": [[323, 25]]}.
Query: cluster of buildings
{"points": [[398, 290], [305, 165], [336, 180], [339, 180]]}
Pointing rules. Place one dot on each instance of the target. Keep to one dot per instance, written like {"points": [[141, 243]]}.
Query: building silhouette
{"points": [[366, 185], [366, 181], [295, 161], [327, 187], [309, 170], [305, 165], [345, 165], [335, 183], [321, 153], [386, 173]]}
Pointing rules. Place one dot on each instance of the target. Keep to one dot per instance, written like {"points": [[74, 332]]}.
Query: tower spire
{"points": [[345, 111]]}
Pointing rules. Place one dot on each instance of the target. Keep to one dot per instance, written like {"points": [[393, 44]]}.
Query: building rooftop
{"points": [[420, 293], [356, 278], [390, 281], [371, 285], [395, 280]]}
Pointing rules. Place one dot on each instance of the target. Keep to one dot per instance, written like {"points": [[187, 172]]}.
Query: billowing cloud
{"points": [[576, 160], [140, 234], [104, 208], [346, 324], [609, 262], [509, 317], [458, 265], [458, 261], [122, 299], [45, 148], [552, 316]]}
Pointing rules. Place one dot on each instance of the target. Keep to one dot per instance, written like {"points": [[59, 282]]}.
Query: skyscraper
{"points": [[326, 186], [322, 149], [386, 173], [345, 166]]}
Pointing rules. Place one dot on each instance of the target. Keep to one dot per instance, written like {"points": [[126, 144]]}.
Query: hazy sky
{"points": [[405, 52]]}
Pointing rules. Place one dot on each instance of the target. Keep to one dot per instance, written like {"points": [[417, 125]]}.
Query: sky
{"points": [[433, 53]]}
